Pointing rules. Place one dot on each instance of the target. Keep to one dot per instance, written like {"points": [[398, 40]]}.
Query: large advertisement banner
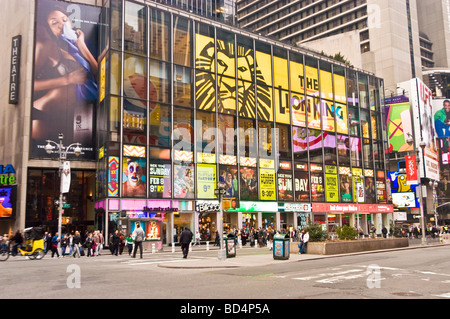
{"points": [[421, 103], [65, 89], [399, 124]]}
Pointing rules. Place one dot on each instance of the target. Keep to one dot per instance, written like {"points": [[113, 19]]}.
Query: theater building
{"points": [[167, 105]]}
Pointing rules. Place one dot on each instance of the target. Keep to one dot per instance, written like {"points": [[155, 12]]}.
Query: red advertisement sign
{"points": [[411, 170]]}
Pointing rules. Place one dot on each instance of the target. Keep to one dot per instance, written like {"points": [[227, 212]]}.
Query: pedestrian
{"points": [[89, 243], [63, 245], [55, 240], [373, 230], [139, 236], [101, 242], [129, 240], [197, 238], [217, 240], [384, 231], [115, 242], [122, 243], [70, 244], [270, 237], [185, 240], [76, 244], [304, 239], [18, 242], [96, 246]]}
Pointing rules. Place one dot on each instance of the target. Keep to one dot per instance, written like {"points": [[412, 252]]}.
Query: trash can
{"points": [[230, 245], [281, 246]]}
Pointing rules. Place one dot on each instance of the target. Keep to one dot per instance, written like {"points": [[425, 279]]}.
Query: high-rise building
{"points": [[168, 105], [378, 36], [219, 10]]}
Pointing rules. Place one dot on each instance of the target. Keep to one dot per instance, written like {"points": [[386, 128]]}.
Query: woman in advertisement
{"points": [[64, 78]]}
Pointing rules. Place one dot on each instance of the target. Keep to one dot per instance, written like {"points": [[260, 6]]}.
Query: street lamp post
{"points": [[422, 212], [62, 151]]}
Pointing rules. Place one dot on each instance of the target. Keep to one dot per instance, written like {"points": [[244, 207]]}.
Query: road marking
{"points": [[336, 279], [329, 274]]}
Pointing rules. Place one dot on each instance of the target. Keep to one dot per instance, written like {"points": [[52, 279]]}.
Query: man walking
{"points": [[139, 236], [185, 240], [76, 244]]}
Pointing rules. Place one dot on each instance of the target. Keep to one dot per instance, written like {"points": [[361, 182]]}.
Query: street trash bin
{"points": [[281, 246], [230, 245]]}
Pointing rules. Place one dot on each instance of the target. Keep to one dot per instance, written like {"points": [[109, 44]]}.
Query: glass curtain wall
{"points": [[192, 104]]}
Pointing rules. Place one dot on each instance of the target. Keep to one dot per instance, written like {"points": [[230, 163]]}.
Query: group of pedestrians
{"points": [[90, 244]]}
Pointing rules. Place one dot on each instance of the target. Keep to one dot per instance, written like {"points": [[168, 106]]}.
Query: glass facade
{"points": [[195, 99]]}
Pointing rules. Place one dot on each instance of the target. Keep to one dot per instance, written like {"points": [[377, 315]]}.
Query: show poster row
{"points": [[192, 181]]}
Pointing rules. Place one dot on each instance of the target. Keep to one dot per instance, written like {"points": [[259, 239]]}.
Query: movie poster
{"points": [[331, 184], [268, 190], [229, 176], [285, 189], [134, 179], [301, 186], [248, 184], [160, 180], [183, 180], [206, 181], [65, 71]]}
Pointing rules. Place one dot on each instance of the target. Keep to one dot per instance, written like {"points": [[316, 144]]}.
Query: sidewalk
{"points": [[264, 257]]}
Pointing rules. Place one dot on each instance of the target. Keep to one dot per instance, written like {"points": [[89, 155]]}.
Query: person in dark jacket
{"points": [[116, 242], [76, 244], [185, 240], [18, 242]]}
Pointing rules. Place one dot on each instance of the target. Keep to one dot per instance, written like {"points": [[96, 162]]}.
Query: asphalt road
{"points": [[421, 273]]}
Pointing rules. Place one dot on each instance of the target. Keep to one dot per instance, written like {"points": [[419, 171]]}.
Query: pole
{"points": [[60, 150], [222, 254], [422, 213]]}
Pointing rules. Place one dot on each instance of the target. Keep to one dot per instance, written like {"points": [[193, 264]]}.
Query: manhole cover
{"points": [[406, 294]]}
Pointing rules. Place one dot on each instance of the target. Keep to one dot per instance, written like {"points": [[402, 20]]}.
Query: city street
{"points": [[413, 273]]}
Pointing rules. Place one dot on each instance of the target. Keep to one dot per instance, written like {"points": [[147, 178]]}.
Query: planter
{"points": [[351, 246]]}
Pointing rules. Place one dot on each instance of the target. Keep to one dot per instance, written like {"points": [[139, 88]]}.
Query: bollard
{"points": [[173, 247], [153, 249], [190, 247], [240, 243], [256, 243], [207, 246]]}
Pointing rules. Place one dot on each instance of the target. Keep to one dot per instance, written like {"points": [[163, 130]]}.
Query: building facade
{"points": [[183, 104]]}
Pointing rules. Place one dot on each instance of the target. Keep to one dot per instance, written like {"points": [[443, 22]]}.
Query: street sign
{"points": [[221, 185], [218, 192]]}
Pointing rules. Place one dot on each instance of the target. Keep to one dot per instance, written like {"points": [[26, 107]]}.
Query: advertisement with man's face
{"points": [[65, 89]]}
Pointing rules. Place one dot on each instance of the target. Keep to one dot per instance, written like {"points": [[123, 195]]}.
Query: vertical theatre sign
{"points": [[15, 70]]}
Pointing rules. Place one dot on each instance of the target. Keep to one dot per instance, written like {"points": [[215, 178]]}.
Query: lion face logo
{"points": [[229, 89]]}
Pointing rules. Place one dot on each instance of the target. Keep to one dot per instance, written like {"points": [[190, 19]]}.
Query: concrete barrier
{"points": [[351, 246]]}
